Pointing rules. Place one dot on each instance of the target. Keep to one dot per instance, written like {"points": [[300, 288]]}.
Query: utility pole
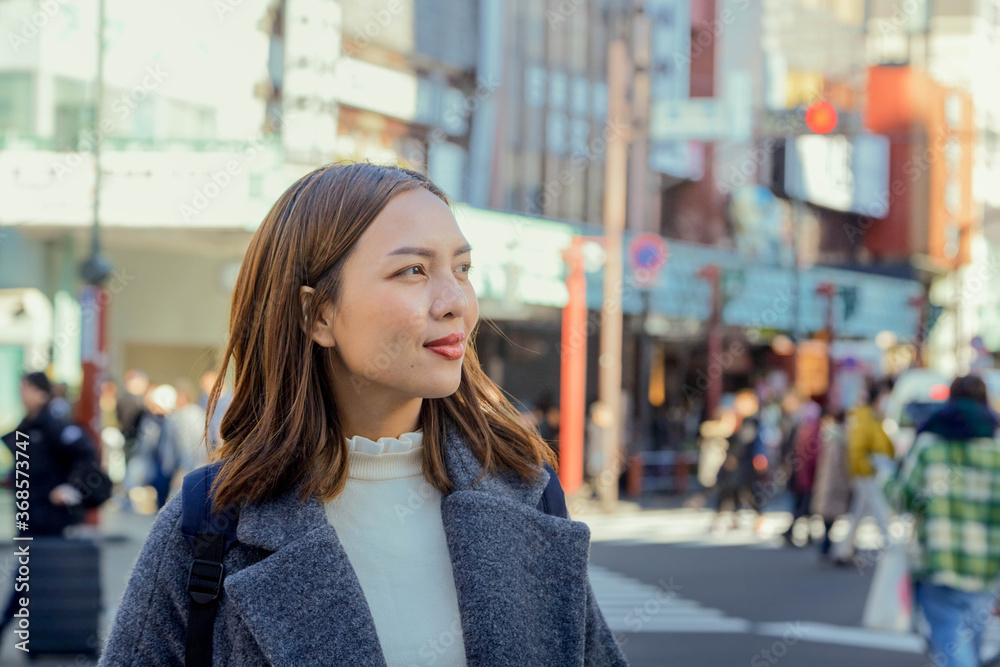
{"points": [[712, 274], [93, 297], [615, 189]]}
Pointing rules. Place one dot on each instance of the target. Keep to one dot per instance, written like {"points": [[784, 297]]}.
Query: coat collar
{"points": [[500, 546], [274, 523]]}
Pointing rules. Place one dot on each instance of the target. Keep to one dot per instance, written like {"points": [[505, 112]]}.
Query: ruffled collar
{"points": [[385, 458]]}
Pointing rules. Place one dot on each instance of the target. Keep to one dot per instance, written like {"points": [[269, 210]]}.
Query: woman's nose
{"points": [[452, 299]]}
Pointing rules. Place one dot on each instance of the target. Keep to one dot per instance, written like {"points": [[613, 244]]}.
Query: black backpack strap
{"points": [[210, 535], [553, 500]]}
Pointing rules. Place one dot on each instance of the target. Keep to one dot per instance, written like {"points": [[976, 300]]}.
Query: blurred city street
{"points": [[736, 599], [679, 593], [120, 538], [729, 268]]}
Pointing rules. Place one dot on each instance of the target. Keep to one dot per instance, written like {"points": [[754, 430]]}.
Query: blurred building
{"points": [[209, 113], [911, 85], [185, 177]]}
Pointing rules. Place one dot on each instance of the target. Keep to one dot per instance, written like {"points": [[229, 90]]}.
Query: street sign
{"points": [[699, 118], [647, 254], [725, 118]]}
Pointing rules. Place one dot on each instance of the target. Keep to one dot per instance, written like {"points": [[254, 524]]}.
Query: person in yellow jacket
{"points": [[865, 439]]}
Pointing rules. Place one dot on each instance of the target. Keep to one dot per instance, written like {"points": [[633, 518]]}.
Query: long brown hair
{"points": [[281, 429]]}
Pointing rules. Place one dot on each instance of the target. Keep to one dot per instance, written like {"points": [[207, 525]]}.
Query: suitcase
{"points": [[64, 599]]}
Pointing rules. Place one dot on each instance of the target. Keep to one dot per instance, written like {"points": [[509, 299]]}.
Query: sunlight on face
{"points": [[404, 286]]}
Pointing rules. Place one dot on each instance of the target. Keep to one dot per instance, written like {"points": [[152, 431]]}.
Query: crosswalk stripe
{"points": [[690, 528], [629, 605], [825, 633]]}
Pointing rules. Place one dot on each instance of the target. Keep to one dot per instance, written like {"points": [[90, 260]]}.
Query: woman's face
{"points": [[406, 284]]}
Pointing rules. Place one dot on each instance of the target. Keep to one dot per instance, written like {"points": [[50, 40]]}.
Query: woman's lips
{"points": [[451, 352]]}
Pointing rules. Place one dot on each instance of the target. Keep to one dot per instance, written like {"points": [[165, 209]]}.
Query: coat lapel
{"points": [[303, 603], [520, 575]]}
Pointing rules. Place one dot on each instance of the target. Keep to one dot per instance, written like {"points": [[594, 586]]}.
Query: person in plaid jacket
{"points": [[950, 482]]}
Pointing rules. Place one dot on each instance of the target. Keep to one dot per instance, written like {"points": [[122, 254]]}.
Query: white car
{"points": [[991, 376], [915, 395]]}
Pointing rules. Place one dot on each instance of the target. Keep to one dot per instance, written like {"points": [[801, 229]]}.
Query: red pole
{"points": [[573, 370], [93, 355]]}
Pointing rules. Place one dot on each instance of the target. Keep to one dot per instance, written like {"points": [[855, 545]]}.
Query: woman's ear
{"points": [[321, 331]]}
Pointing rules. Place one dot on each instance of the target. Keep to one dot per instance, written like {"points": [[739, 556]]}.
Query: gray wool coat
{"points": [[291, 597]]}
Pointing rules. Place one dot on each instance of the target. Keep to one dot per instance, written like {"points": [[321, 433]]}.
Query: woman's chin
{"points": [[443, 388]]}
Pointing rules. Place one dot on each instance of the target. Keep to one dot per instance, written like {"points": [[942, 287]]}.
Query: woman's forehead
{"points": [[413, 219]]}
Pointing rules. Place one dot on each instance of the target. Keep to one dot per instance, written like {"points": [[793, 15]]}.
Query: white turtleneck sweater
{"points": [[388, 519]]}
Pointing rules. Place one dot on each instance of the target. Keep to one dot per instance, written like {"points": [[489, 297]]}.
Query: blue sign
{"points": [[647, 255]]}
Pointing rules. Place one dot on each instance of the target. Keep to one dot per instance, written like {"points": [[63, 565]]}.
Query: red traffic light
{"points": [[821, 117]]}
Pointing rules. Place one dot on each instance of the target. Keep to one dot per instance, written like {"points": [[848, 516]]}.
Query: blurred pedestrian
{"points": [[800, 458], [60, 405], [109, 405], [547, 414], [832, 486], [208, 380], [551, 425], [55, 458], [738, 476], [528, 416], [948, 481], [156, 455], [599, 419], [662, 430], [865, 440], [130, 408], [188, 428]]}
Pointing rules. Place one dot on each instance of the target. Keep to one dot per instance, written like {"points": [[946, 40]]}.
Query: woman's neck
{"points": [[375, 426]]}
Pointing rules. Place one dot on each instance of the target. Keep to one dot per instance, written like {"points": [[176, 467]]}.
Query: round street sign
{"points": [[647, 255]]}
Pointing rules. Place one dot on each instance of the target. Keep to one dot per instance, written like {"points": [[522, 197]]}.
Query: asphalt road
{"points": [[682, 596], [674, 593]]}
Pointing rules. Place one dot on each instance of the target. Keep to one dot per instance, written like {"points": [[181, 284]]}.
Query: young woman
{"points": [[386, 488]]}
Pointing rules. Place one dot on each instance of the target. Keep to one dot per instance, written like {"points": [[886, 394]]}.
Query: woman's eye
{"points": [[468, 270]]}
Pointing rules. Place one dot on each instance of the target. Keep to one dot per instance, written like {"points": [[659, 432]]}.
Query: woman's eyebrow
{"points": [[427, 252]]}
